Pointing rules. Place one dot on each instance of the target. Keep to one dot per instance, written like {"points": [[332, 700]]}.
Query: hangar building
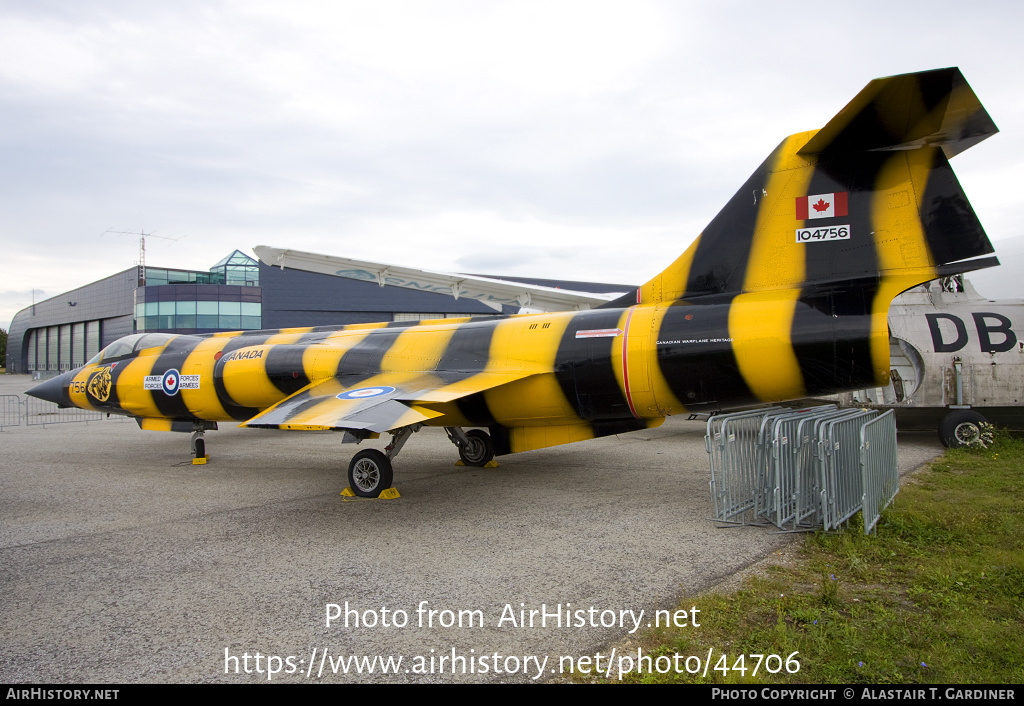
{"points": [[237, 293]]}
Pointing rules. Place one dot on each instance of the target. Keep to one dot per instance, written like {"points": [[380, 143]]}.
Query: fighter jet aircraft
{"points": [[784, 295], [955, 358]]}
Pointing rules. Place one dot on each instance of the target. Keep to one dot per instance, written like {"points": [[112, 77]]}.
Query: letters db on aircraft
{"points": [[949, 333]]}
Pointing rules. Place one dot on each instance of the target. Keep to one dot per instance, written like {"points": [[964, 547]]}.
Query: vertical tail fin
{"points": [[868, 198], [809, 253]]}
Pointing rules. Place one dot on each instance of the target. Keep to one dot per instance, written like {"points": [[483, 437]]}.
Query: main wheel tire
{"points": [[200, 448], [960, 428], [480, 449], [370, 473]]}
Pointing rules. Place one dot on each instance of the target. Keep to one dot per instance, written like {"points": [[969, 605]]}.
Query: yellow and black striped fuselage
{"points": [[572, 375]]}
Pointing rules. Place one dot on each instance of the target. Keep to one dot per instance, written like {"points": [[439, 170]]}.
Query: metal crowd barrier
{"points": [[732, 445], [33, 412], [880, 466], [839, 463], [802, 469], [791, 478], [785, 474], [10, 411], [14, 411], [42, 412]]}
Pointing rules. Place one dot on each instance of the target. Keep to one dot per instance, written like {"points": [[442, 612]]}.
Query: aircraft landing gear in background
{"points": [[960, 428], [475, 446], [370, 473]]}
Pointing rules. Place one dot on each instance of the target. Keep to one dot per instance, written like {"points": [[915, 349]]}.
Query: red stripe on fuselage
{"points": [[625, 363]]}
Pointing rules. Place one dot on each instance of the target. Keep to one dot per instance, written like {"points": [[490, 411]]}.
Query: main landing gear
{"points": [[475, 446], [961, 428], [370, 473]]}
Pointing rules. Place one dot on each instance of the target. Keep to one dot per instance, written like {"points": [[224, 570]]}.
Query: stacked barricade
{"points": [[733, 446], [801, 469], [839, 465], [880, 466], [789, 473]]}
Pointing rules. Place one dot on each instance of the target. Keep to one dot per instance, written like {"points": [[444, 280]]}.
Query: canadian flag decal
{"points": [[821, 206]]}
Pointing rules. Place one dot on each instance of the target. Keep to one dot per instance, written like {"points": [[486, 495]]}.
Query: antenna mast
{"points": [[142, 248]]}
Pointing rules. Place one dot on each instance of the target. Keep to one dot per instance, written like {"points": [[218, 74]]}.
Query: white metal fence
{"points": [[10, 411], [15, 411]]}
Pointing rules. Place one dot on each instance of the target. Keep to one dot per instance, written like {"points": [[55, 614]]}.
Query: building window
{"points": [[409, 316], [238, 268], [198, 315], [33, 337]]}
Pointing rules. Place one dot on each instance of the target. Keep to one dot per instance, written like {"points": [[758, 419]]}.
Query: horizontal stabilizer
{"points": [[926, 109], [964, 266]]}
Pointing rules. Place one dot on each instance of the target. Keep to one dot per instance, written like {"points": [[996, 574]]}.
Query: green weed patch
{"points": [[936, 596]]}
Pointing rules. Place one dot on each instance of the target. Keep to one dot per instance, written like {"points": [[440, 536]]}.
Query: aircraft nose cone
{"points": [[53, 390]]}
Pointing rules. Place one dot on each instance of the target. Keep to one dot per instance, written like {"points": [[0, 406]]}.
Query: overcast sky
{"points": [[582, 140]]}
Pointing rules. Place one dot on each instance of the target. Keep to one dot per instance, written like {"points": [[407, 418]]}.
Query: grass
{"points": [[937, 596]]}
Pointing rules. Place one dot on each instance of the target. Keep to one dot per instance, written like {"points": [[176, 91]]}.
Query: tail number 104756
{"points": [[820, 235]]}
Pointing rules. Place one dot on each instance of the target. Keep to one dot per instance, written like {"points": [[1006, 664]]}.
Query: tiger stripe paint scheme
{"points": [[749, 313]]}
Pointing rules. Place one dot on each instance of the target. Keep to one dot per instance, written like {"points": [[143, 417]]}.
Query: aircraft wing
{"points": [[376, 404], [490, 291]]}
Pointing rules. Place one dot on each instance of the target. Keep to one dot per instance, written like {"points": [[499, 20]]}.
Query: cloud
{"points": [[440, 131]]}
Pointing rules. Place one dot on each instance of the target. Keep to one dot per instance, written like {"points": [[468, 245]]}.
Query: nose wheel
{"points": [[198, 446]]}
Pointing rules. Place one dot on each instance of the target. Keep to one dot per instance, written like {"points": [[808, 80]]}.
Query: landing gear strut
{"points": [[475, 446]]}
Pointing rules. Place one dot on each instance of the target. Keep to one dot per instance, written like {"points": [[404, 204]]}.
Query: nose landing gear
{"points": [[197, 444]]}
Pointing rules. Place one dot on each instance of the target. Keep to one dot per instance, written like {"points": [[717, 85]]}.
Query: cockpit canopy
{"points": [[129, 345]]}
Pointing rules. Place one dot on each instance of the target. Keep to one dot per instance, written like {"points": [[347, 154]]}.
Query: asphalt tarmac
{"points": [[121, 562]]}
